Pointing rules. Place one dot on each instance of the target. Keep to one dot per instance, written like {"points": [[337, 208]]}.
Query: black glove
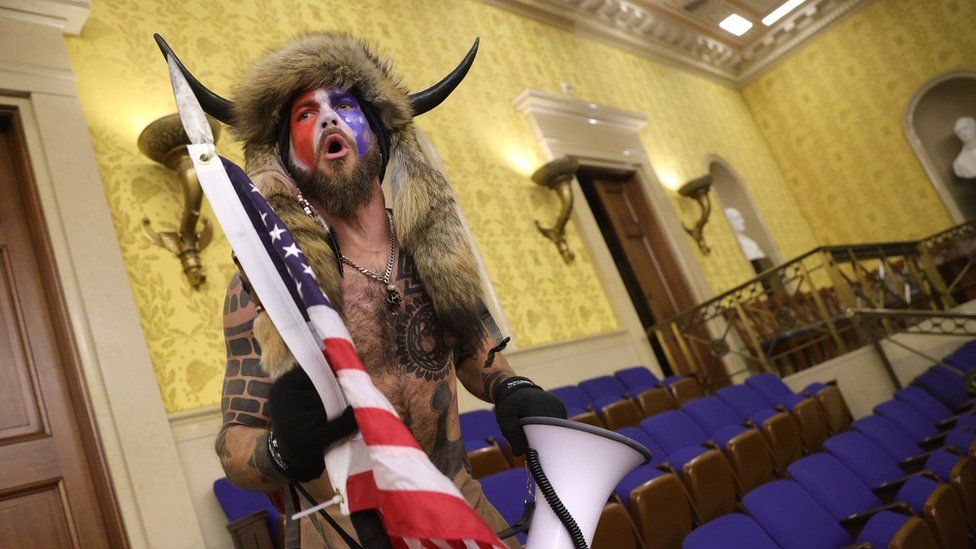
{"points": [[517, 397], [300, 431]]}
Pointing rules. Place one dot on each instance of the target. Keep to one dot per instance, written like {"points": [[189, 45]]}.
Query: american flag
{"points": [[388, 471]]}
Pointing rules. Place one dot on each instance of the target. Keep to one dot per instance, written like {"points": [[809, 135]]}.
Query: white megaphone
{"points": [[581, 464]]}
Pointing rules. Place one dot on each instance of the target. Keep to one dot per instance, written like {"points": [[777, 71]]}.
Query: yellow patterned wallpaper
{"points": [[832, 114], [486, 145]]}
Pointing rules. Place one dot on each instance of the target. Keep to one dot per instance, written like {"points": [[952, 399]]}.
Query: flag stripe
{"points": [[366, 395], [386, 429], [341, 354], [457, 521], [402, 468]]}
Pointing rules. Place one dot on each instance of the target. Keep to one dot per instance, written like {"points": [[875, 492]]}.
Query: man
{"points": [[320, 120]]}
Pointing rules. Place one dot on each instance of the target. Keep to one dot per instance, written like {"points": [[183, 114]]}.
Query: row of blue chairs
{"points": [[709, 466], [707, 454], [902, 477], [606, 401]]}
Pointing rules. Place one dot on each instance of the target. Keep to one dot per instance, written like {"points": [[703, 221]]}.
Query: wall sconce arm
{"points": [[697, 189], [557, 176]]}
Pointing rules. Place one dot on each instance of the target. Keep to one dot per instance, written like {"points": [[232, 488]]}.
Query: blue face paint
{"points": [[345, 105]]}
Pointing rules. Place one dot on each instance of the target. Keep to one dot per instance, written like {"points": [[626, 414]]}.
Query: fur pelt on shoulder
{"points": [[424, 206]]}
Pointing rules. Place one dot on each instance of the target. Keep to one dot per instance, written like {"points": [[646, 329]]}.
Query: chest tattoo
{"points": [[424, 347]]}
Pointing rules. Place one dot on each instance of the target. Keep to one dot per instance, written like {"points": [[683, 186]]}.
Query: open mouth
{"points": [[334, 147]]}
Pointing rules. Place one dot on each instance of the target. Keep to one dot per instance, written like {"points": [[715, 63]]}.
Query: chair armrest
{"points": [[781, 408], [914, 464], [929, 475], [964, 407], [711, 445], [947, 424], [858, 520], [889, 488], [748, 424], [892, 486], [666, 467], [933, 442], [952, 449]]}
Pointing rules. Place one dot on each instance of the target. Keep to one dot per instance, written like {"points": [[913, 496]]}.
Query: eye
{"points": [[344, 105], [305, 115]]}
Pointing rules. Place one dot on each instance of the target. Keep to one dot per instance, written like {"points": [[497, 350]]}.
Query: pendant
{"points": [[393, 298]]}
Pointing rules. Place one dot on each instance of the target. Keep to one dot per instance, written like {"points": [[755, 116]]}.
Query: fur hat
{"points": [[424, 206]]}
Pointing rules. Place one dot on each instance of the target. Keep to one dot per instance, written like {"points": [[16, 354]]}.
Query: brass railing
{"points": [[799, 314]]}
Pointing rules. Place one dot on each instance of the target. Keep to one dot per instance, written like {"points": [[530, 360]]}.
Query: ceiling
{"points": [[687, 33]]}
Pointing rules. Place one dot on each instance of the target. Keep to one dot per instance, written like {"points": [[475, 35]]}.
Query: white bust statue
{"points": [[748, 245], [965, 164]]}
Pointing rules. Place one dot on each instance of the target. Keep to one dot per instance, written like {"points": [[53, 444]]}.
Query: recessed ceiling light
{"points": [[736, 24], [778, 13]]}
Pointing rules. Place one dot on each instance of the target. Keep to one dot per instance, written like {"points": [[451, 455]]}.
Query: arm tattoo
{"points": [[260, 461], [246, 386], [496, 349], [490, 380], [241, 444]]}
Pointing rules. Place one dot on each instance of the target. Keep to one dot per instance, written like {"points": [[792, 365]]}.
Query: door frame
{"points": [[606, 137], [70, 360], [132, 427]]}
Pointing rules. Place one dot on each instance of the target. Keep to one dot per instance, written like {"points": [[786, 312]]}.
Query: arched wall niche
{"points": [[730, 192], [929, 123]]}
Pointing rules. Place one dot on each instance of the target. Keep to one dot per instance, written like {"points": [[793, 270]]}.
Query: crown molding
{"points": [[639, 30], [67, 15]]}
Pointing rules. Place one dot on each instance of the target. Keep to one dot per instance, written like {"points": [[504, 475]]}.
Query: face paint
{"points": [[317, 113]]}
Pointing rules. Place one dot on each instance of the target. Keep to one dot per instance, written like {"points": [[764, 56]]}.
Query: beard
{"points": [[342, 192]]}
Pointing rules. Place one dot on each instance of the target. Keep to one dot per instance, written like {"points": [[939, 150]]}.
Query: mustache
{"points": [[331, 131]]}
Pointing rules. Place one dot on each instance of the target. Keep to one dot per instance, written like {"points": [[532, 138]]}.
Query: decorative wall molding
{"points": [[67, 15], [636, 28]]}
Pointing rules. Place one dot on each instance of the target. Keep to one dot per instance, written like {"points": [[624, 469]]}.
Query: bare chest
{"points": [[406, 351]]}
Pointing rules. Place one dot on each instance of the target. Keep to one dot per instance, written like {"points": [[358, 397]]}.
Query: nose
{"points": [[329, 119]]}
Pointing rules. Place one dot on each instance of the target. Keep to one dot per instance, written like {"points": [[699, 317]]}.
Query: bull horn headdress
{"points": [[425, 212], [422, 101]]}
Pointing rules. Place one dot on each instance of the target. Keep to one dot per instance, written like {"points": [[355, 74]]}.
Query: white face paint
{"points": [[323, 124]]}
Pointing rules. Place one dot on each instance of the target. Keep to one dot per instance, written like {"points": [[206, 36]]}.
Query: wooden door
{"points": [[53, 489], [646, 263]]}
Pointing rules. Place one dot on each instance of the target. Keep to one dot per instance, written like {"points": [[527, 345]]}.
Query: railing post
{"points": [[665, 345], [844, 293], [822, 310], [934, 277], [685, 351], [753, 338]]}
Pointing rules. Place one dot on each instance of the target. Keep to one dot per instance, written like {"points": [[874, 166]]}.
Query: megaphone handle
{"points": [[548, 492]]}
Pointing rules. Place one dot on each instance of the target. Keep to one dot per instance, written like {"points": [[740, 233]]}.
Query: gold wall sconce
{"points": [[697, 189], [557, 175], [165, 141]]}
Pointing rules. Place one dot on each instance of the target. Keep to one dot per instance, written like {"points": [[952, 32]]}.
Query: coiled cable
{"points": [[532, 462]]}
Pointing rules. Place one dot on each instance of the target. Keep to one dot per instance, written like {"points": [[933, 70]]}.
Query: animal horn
{"points": [[426, 100], [213, 104]]}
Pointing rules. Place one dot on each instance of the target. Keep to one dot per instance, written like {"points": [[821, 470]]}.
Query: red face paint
{"points": [[305, 128]]}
